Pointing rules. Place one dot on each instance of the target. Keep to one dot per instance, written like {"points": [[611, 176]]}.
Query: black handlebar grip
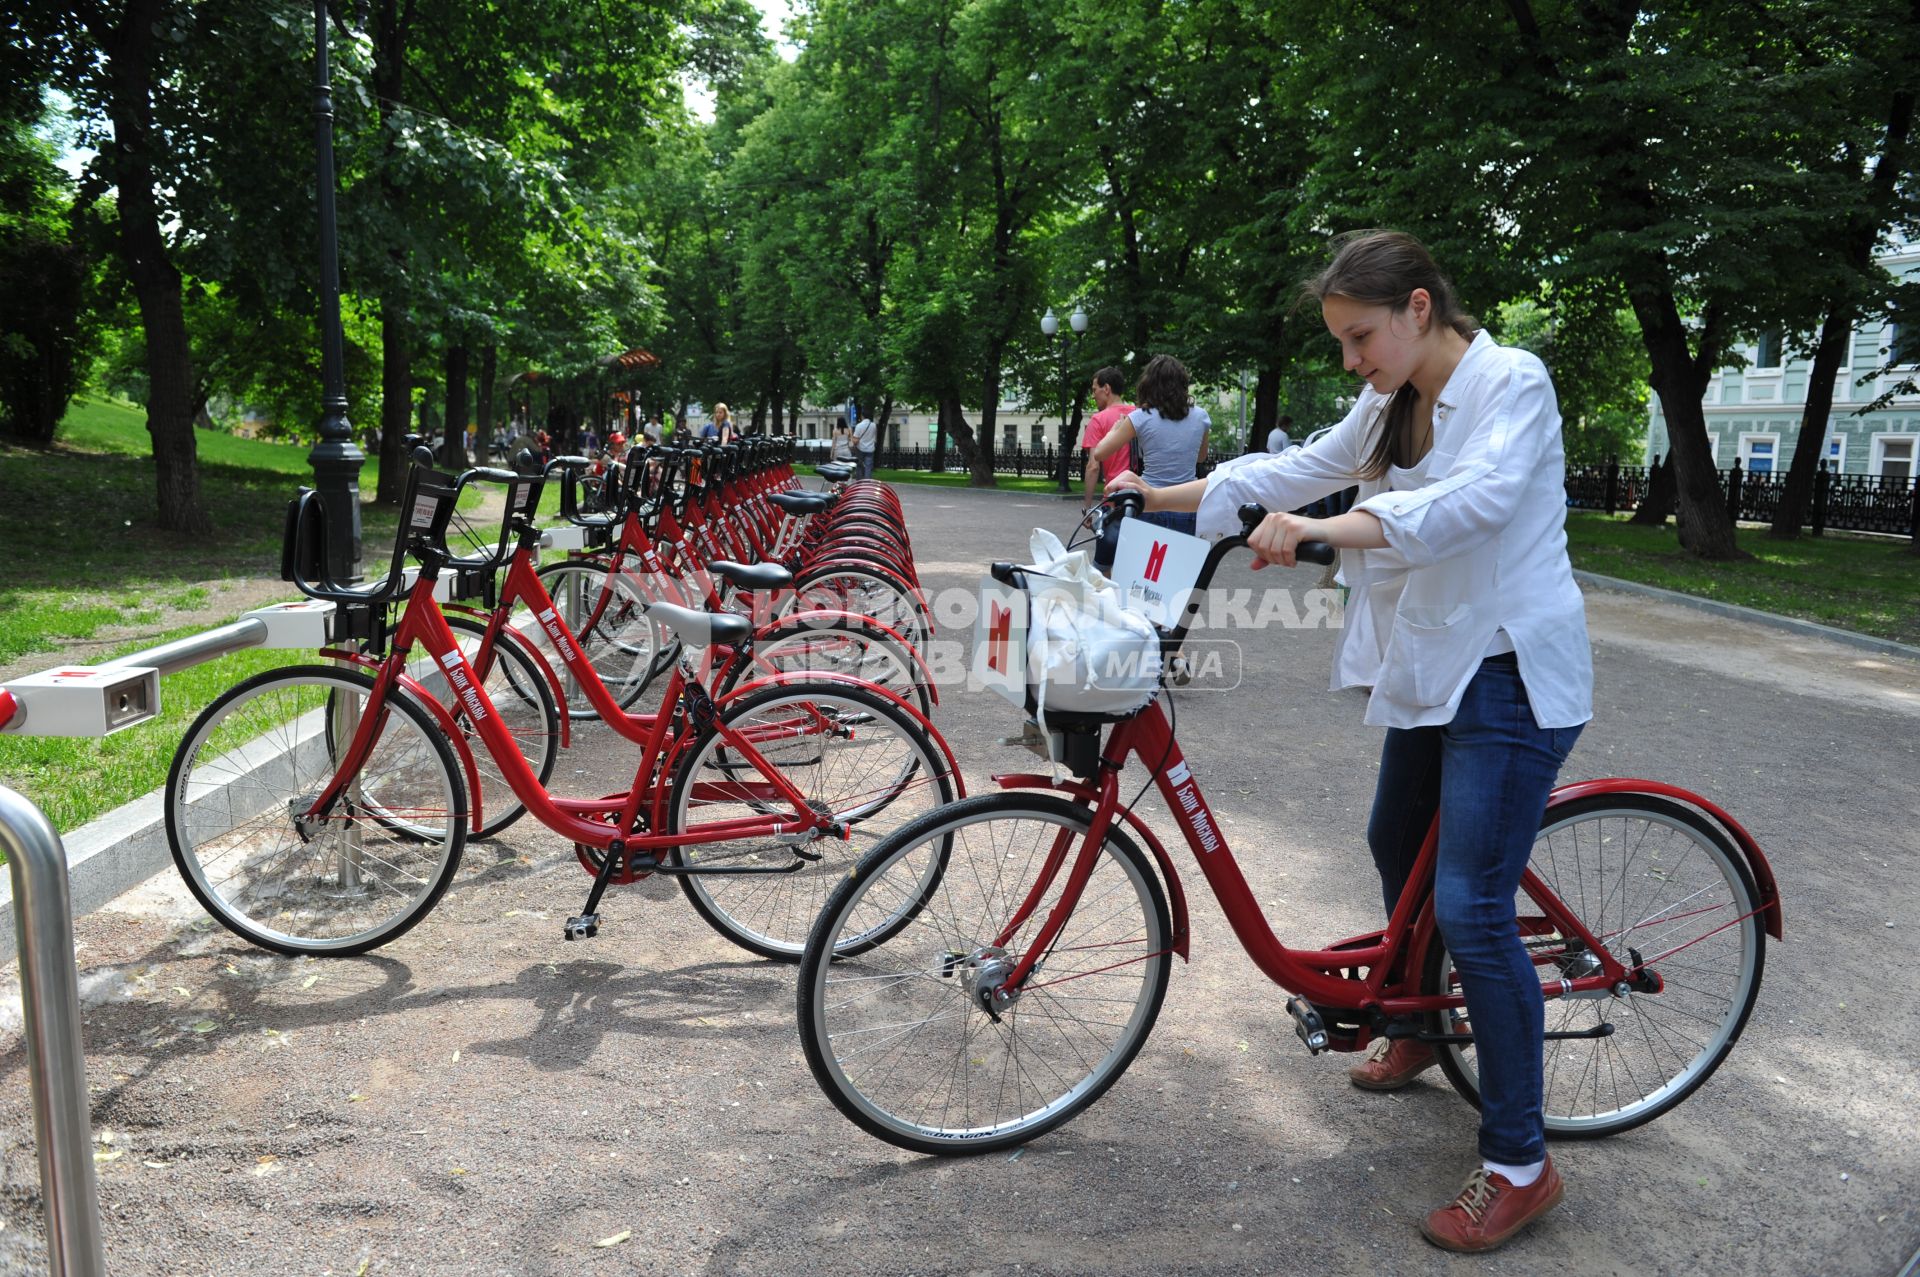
{"points": [[1251, 515], [492, 473], [1315, 552], [568, 463]]}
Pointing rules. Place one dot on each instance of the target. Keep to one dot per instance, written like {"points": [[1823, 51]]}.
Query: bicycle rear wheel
{"points": [[896, 1032], [1645, 876], [851, 753], [349, 881]]}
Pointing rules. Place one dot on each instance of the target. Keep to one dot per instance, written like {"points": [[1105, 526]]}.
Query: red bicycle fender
{"points": [[1176, 894], [924, 675], [1756, 859], [913, 711], [455, 737]]}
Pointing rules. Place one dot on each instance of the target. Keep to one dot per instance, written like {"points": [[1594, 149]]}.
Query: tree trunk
{"points": [[953, 423], [1657, 504], [1837, 331], [396, 349], [984, 441], [483, 411], [453, 450], [156, 284], [1680, 379], [1266, 408], [1835, 334], [396, 400]]}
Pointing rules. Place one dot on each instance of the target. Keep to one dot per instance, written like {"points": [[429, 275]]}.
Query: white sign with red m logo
{"points": [[1156, 568]]}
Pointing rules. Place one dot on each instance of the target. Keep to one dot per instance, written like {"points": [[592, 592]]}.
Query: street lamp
{"points": [[336, 459], [1050, 327]]}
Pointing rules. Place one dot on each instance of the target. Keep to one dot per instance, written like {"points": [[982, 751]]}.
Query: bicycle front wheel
{"points": [[1656, 884], [852, 755], [899, 1034], [341, 882]]}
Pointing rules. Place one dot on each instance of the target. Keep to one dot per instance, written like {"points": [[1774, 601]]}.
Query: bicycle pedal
{"points": [[1307, 1024], [583, 927]]}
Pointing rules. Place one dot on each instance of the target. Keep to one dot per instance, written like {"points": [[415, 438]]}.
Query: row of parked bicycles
{"points": [[757, 646], [974, 971]]}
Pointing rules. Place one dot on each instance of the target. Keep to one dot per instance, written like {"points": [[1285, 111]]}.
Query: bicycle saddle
{"points": [[838, 471], [752, 576], [801, 502], [702, 629]]}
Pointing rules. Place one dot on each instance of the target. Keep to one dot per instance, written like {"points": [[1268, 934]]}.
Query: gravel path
{"points": [[481, 1098]]}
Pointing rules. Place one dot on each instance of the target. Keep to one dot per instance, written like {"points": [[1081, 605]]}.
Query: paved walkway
{"points": [[480, 1098]]}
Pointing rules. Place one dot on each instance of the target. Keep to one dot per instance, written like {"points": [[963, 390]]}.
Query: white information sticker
{"points": [[1000, 641], [1155, 569]]}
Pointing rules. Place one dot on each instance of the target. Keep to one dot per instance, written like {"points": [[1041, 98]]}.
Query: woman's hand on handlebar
{"points": [[1274, 540], [1126, 481]]}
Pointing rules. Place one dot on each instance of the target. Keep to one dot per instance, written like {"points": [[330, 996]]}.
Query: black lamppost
{"points": [[1051, 327], [336, 459]]}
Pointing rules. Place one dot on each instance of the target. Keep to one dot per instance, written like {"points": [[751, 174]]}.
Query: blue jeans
{"points": [[866, 464], [1488, 772], [1178, 521]]}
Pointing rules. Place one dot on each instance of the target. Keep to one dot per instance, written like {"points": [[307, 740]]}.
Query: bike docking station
{"points": [[95, 701]]}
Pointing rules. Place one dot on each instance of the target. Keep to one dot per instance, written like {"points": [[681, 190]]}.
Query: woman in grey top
{"points": [[1171, 429]]}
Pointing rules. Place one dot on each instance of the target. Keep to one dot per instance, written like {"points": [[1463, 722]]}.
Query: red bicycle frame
{"points": [[1390, 983]]}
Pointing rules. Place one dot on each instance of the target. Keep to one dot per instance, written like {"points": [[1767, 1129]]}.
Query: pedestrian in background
{"points": [[1109, 384], [864, 435], [1171, 429]]}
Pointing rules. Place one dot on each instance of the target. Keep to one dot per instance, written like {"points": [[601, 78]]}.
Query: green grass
{"points": [[74, 780], [83, 553], [1007, 482], [1867, 584], [84, 550]]}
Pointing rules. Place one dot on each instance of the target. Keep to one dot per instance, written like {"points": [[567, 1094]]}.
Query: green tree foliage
{"points": [[46, 332]]}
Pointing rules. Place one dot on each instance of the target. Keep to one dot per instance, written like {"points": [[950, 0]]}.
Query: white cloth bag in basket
{"points": [[1066, 642]]}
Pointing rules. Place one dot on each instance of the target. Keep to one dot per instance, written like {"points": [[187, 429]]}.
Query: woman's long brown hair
{"points": [[1382, 268], [1165, 387]]}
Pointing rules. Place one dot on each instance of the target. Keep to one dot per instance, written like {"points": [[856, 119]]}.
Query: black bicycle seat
{"points": [[801, 502], [752, 576], [701, 629]]}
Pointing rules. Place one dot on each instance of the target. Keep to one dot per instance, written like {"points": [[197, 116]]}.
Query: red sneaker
{"points": [[1489, 1210], [1402, 1060]]}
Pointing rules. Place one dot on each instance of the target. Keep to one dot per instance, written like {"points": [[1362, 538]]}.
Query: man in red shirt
{"points": [[1108, 385]]}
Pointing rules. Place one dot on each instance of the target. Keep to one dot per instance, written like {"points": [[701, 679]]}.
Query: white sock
{"points": [[1518, 1176]]}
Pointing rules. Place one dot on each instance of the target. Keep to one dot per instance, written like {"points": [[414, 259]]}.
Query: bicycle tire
{"points": [[621, 644], [866, 590], [892, 1033], [1657, 1055], [884, 771], [244, 768], [852, 647]]}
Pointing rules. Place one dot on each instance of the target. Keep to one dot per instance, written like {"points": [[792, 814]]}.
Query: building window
{"points": [[1767, 351], [1713, 445], [1836, 454], [1009, 439], [1039, 435], [1903, 344], [1893, 457], [1758, 453]]}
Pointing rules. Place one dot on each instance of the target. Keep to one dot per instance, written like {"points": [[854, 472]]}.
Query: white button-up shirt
{"points": [[1480, 546]]}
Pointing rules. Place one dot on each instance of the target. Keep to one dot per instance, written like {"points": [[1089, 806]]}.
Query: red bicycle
{"points": [[1042, 927], [315, 809]]}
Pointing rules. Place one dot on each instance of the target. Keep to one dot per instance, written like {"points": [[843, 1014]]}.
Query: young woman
{"points": [[1466, 622], [1172, 431]]}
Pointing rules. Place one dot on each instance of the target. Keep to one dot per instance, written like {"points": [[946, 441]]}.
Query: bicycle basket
{"points": [[1054, 638]]}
